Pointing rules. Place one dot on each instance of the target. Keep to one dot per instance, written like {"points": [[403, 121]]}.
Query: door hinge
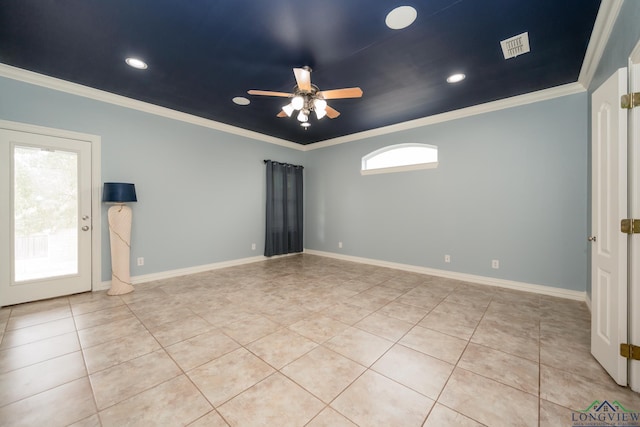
{"points": [[630, 226], [630, 100], [630, 351]]}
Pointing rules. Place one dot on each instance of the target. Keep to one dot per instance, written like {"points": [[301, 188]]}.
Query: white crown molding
{"points": [[481, 280], [30, 77], [99, 95], [514, 101], [606, 19]]}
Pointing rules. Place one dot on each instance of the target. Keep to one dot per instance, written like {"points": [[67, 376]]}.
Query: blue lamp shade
{"points": [[119, 192]]}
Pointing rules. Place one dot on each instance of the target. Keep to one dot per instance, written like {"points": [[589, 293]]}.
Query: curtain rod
{"points": [[284, 164]]}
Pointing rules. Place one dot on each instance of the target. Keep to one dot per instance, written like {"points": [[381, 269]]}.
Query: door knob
{"points": [[85, 228], [591, 238]]}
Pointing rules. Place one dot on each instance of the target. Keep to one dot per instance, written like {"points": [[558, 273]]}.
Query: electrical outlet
{"points": [[253, 246], [339, 245], [140, 261], [447, 258], [495, 264]]}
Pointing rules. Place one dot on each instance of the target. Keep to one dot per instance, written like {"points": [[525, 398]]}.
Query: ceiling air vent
{"points": [[516, 45]]}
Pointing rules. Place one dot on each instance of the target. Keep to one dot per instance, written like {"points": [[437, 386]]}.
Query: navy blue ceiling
{"points": [[202, 53]]}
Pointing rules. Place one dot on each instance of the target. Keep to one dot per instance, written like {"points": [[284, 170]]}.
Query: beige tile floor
{"points": [[301, 340]]}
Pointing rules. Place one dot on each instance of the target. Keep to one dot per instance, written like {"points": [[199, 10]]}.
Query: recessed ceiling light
{"points": [[241, 100], [136, 63], [305, 124], [401, 17], [455, 78]]}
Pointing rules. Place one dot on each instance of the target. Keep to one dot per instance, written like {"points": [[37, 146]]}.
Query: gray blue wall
{"points": [[622, 40], [200, 191], [511, 185]]}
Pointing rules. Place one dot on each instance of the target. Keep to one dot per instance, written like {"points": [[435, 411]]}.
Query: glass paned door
{"points": [[45, 213], [46, 216]]}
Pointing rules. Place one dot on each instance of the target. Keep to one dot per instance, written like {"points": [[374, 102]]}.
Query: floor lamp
{"points": [[119, 216]]}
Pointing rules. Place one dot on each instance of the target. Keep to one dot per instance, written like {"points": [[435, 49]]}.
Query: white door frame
{"points": [[96, 184], [633, 206]]}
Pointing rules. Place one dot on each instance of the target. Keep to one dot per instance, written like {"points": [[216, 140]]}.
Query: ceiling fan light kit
{"points": [[297, 102], [320, 113], [307, 97], [288, 109], [319, 104], [303, 117]]}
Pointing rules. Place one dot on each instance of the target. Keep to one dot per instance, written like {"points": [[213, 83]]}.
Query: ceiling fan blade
{"points": [[332, 113], [281, 114], [269, 93], [303, 78], [348, 92]]}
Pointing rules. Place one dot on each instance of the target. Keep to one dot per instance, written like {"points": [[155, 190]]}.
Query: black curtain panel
{"points": [[284, 209]]}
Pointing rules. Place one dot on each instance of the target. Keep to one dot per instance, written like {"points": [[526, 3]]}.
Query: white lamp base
{"points": [[120, 237]]}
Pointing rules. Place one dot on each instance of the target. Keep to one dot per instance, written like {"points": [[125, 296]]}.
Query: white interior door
{"points": [[609, 245], [45, 218]]}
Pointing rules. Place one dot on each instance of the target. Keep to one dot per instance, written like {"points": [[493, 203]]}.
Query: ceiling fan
{"points": [[307, 97]]}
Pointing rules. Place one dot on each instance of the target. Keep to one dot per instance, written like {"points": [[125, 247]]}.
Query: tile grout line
{"points": [[93, 394], [539, 367], [183, 372], [281, 327], [49, 359], [368, 368], [437, 400]]}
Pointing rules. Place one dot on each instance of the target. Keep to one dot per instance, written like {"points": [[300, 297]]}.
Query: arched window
{"points": [[399, 158]]}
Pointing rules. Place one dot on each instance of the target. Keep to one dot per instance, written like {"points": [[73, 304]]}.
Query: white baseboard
{"points": [[587, 299], [482, 280], [136, 280]]}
